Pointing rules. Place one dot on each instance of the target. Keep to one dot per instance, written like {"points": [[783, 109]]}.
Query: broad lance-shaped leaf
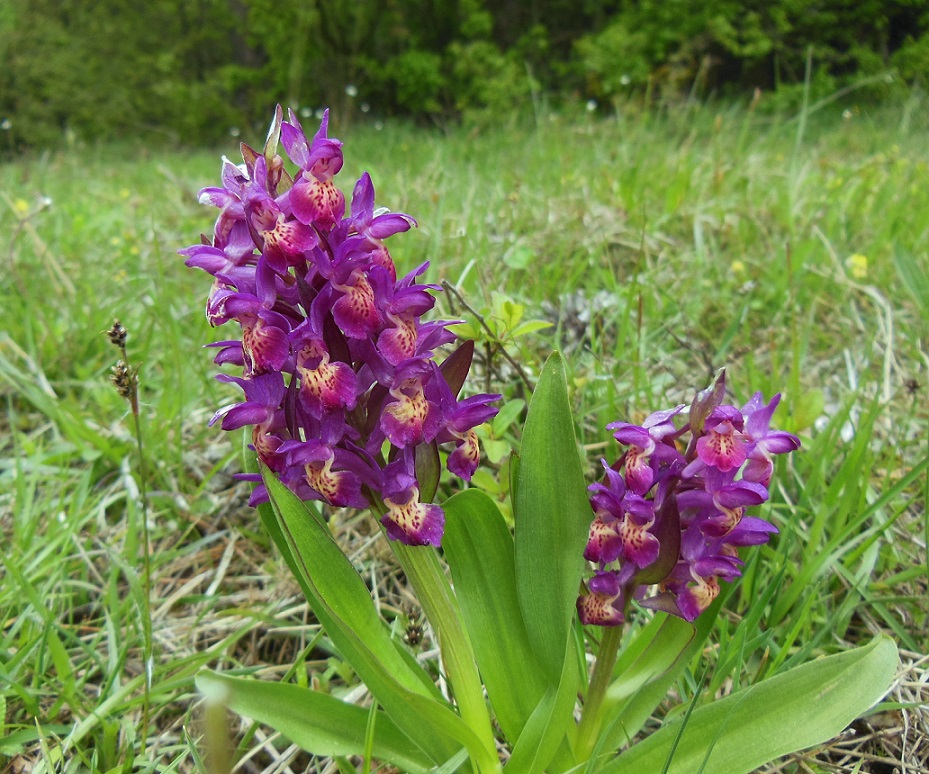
{"points": [[553, 517], [800, 708], [315, 721], [550, 724], [656, 648], [343, 606], [479, 549], [647, 669]]}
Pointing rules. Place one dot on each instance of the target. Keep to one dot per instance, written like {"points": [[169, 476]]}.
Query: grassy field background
{"points": [[661, 245]]}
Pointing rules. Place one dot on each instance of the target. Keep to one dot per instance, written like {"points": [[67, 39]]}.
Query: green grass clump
{"points": [[660, 246]]}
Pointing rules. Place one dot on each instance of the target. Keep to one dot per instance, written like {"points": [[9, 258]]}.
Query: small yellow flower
{"points": [[737, 267], [21, 206], [857, 265]]}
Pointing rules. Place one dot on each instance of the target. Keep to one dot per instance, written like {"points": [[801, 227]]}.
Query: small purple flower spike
{"points": [[675, 519]]}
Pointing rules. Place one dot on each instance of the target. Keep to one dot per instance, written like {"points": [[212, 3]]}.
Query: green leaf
{"points": [[649, 667], [530, 326], [479, 550], [343, 606], [549, 723], [913, 277], [315, 721], [508, 414], [656, 648], [800, 708], [494, 450], [519, 256], [552, 517]]}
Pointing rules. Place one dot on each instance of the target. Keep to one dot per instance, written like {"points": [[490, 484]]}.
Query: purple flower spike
{"points": [[346, 402], [676, 521]]}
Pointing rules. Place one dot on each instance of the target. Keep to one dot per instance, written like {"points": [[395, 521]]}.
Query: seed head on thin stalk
{"points": [[126, 379]]}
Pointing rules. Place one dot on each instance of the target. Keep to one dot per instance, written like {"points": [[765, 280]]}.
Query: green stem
{"points": [[599, 682], [148, 650], [434, 593]]}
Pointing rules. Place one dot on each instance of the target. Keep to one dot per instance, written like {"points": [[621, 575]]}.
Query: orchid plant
{"points": [[351, 405]]}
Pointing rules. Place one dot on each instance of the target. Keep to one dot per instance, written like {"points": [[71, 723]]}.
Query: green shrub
{"points": [[418, 81]]}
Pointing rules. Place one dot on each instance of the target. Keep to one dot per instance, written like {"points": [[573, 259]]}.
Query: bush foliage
{"points": [[191, 71]]}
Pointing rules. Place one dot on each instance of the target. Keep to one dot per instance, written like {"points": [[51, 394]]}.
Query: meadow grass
{"points": [[660, 245]]}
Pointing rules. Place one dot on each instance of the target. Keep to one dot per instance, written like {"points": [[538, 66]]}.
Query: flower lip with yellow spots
{"points": [[407, 519]]}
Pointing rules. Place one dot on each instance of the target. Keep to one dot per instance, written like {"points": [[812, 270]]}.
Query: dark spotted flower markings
{"points": [[669, 517], [338, 370]]}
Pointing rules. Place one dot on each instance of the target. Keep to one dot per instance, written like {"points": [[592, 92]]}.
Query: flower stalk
{"points": [[441, 609], [126, 380], [600, 680]]}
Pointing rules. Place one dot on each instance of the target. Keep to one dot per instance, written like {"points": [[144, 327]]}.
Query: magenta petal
{"points": [[388, 224], [356, 311], [721, 450], [631, 435], [751, 531], [290, 239], [599, 609], [241, 415], [639, 546], [604, 545], [363, 201], [414, 523], [741, 493], [265, 347], [605, 582], [341, 488], [639, 473], [398, 343], [404, 421], [294, 140], [693, 600], [473, 411], [759, 415], [317, 203], [464, 460], [328, 387], [780, 442]]}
